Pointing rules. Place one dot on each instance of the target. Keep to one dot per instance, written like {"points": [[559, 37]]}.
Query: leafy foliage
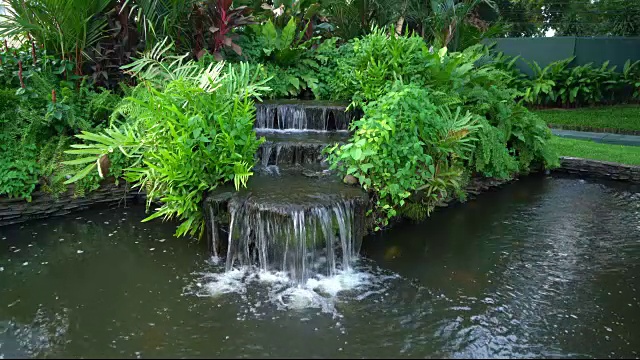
{"points": [[221, 19], [405, 143], [33, 61], [186, 138], [383, 75], [65, 27], [561, 85]]}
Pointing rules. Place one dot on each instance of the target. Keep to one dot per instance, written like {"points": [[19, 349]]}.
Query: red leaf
{"points": [[200, 54]]}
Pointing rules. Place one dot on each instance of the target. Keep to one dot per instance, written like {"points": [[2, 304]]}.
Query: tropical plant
{"points": [[449, 21], [405, 145], [282, 46], [352, 19], [186, 136], [382, 70], [631, 79], [68, 28], [159, 19], [19, 65], [559, 84], [220, 20]]}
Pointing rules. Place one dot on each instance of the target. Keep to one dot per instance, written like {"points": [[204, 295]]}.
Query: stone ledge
{"points": [[44, 205], [600, 169]]}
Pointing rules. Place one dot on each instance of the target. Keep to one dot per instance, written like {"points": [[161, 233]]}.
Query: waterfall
{"points": [[278, 154], [319, 116], [301, 241], [287, 221]]}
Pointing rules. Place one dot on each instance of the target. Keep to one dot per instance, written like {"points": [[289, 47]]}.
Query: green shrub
{"points": [[561, 85], [374, 62], [18, 168], [292, 64], [403, 144], [409, 91], [186, 137], [34, 130]]}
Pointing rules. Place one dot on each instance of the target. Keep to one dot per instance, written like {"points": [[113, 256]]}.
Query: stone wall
{"points": [[600, 169], [43, 205]]}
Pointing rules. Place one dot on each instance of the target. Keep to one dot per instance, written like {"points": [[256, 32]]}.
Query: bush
{"points": [[405, 143], [35, 128], [561, 85], [186, 137], [410, 93]]}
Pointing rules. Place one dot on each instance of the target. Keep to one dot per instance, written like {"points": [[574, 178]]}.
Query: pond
{"points": [[545, 267]]}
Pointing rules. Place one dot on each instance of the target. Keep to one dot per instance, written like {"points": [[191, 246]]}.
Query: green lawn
{"points": [[592, 150], [622, 117]]}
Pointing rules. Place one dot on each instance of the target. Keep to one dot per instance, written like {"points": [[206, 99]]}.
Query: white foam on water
{"points": [[225, 283], [260, 288], [345, 280]]}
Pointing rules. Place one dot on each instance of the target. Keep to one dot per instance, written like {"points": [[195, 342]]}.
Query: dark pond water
{"points": [[546, 267]]}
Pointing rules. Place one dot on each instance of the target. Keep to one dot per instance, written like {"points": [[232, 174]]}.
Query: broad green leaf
{"points": [[84, 160], [81, 174]]}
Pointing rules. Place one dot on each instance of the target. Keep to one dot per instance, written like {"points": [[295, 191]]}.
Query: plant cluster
{"points": [[187, 129], [102, 78], [42, 104], [561, 85], [429, 117]]}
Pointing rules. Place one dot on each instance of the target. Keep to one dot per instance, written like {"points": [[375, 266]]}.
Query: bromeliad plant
{"points": [[187, 135]]}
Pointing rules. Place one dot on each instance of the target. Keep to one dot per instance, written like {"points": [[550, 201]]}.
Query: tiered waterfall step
{"points": [[303, 115], [292, 223], [295, 216], [297, 131], [284, 148]]}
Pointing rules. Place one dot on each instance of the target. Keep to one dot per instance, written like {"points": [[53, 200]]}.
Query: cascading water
{"points": [[286, 222], [289, 224], [303, 115]]}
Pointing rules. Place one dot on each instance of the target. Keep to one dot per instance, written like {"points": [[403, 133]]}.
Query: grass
{"points": [[621, 117], [591, 150]]}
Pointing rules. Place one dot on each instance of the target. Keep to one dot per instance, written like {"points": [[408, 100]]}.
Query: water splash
{"points": [[261, 291]]}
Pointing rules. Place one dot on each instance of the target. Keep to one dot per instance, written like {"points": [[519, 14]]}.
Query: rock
{"points": [[350, 180], [311, 173]]}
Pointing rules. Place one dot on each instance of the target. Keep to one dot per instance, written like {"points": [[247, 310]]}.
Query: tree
{"points": [[523, 18], [568, 17]]}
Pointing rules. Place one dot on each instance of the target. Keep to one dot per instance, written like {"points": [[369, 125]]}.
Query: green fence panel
{"points": [[545, 50], [598, 50], [541, 50]]}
